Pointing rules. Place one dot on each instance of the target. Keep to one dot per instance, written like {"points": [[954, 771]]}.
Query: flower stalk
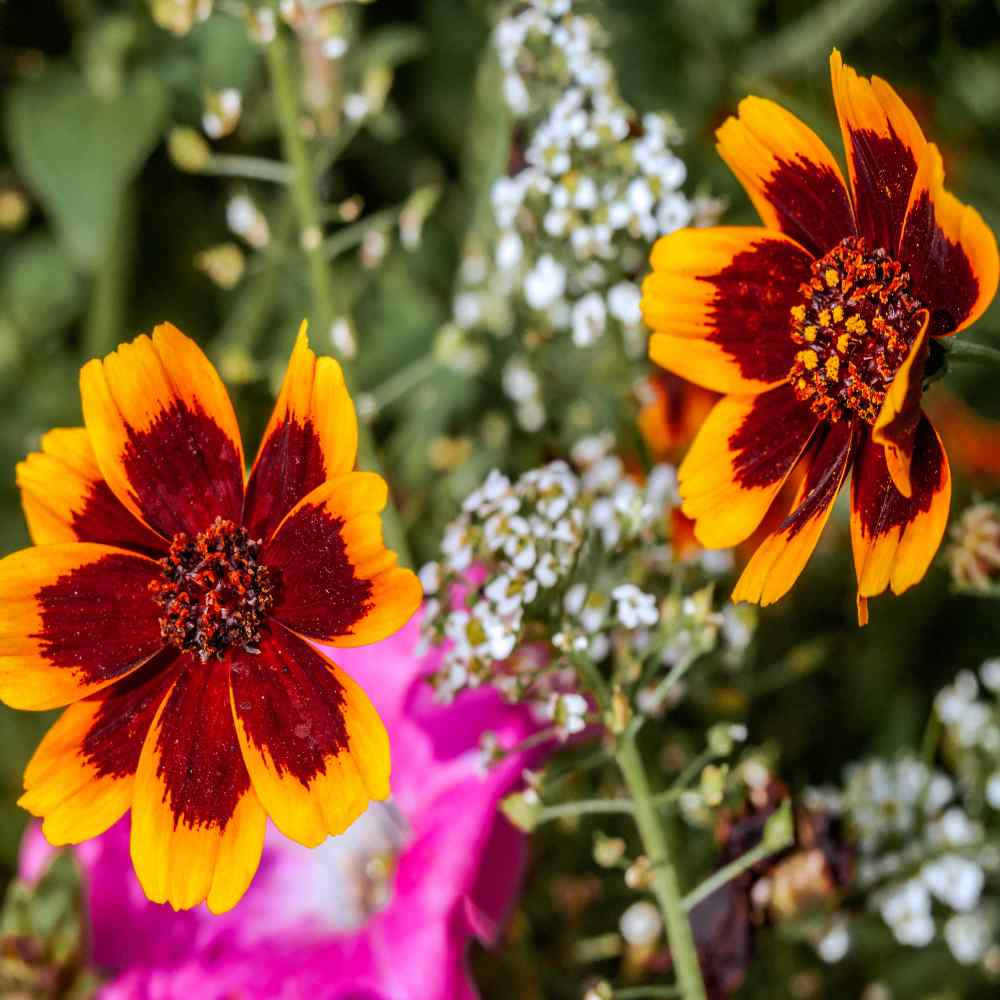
{"points": [[309, 215], [666, 886], [966, 351]]}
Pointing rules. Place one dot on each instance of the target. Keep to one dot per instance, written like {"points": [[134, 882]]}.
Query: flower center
{"points": [[213, 591], [855, 324]]}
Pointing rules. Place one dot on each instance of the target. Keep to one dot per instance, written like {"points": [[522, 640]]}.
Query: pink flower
{"points": [[384, 912]]}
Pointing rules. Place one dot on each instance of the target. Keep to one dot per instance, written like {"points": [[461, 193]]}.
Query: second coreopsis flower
{"points": [[169, 604], [818, 326]]}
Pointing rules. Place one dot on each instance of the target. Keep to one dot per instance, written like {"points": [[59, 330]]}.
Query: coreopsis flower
{"points": [[818, 326], [386, 912], [169, 601]]}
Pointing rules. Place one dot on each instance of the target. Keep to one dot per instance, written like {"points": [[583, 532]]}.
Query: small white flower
{"points": [[466, 309], [574, 598], [634, 607], [989, 672], [246, 220], [833, 945], [589, 450], [599, 647], [968, 935], [509, 595], [589, 318], [594, 613], [641, 924], [556, 222], [516, 94], [519, 381], [736, 628], [953, 702], [544, 283], [531, 415], [507, 195], [956, 881], [673, 213], [640, 197], [623, 303], [993, 790], [547, 570], [568, 712], [430, 577], [455, 545], [585, 196], [906, 908], [619, 214], [355, 107], [510, 250], [957, 830], [334, 47]]}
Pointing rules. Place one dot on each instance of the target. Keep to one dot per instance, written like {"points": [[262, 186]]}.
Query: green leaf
{"points": [[79, 152], [393, 45], [40, 289], [226, 55]]}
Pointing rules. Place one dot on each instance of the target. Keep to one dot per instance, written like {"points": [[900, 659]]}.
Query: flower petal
{"points": [[164, 432], [950, 252], [739, 460], [76, 617], [81, 776], [897, 421], [312, 436], [66, 499], [718, 302], [197, 825], [789, 174], [895, 537], [315, 747], [779, 560], [884, 145], [339, 583]]}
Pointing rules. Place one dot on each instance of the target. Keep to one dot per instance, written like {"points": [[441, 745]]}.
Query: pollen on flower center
{"points": [[214, 592], [855, 324]]}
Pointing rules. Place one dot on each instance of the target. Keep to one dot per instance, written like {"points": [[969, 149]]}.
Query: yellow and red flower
{"points": [[169, 600], [817, 327]]}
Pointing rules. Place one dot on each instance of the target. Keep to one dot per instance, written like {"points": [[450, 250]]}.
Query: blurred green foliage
{"points": [[99, 233]]}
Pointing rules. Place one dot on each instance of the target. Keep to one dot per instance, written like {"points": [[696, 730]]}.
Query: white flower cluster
{"points": [[593, 185], [923, 859], [969, 710], [560, 564], [526, 536]]}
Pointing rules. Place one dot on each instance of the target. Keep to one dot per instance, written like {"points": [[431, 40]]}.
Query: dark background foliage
{"points": [[108, 248]]}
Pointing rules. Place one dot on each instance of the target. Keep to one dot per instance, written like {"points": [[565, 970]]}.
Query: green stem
{"points": [[729, 872], [105, 323], [353, 235], [965, 351], [694, 768], [251, 168], [308, 212], [255, 303], [666, 885], [675, 675], [586, 807], [405, 379], [594, 678], [574, 769], [304, 195], [642, 992]]}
